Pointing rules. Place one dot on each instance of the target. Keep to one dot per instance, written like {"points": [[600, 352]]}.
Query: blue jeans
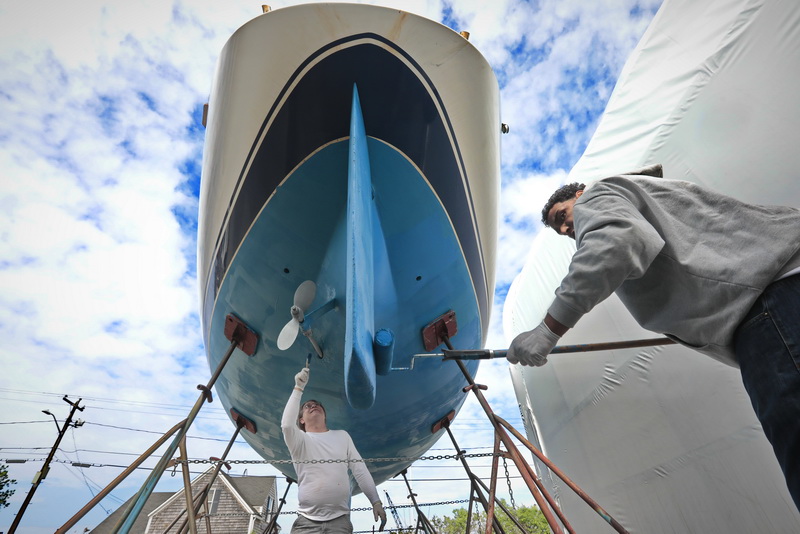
{"points": [[767, 344]]}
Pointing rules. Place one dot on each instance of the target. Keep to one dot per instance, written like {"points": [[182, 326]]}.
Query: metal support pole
{"points": [[543, 499], [187, 487], [493, 484], [208, 514], [196, 498], [421, 519], [196, 508], [534, 483], [114, 483], [130, 515], [529, 481], [476, 490], [206, 511], [270, 528], [574, 487], [240, 336], [508, 512], [527, 473], [472, 499], [40, 476]]}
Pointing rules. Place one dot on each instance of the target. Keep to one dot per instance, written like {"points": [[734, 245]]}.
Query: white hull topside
{"points": [[455, 68]]}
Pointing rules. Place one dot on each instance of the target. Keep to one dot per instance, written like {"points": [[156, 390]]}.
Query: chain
{"points": [[365, 509], [369, 509], [344, 460], [508, 481], [440, 503]]}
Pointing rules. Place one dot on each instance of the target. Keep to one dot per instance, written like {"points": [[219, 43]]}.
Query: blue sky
{"points": [[100, 154]]}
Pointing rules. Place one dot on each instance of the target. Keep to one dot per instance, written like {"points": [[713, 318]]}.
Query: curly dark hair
{"points": [[565, 192]]}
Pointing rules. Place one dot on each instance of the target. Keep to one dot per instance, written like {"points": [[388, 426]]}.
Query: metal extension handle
{"points": [[488, 354]]}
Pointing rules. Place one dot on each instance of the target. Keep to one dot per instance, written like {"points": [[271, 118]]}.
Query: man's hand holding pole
{"points": [[378, 512], [532, 347], [301, 379]]}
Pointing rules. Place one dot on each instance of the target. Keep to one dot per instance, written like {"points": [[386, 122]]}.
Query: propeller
{"points": [[303, 297]]}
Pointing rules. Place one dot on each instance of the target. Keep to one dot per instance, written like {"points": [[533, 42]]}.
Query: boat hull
{"points": [[276, 211]]}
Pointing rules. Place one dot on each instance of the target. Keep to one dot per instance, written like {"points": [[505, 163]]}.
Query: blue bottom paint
{"points": [[420, 273]]}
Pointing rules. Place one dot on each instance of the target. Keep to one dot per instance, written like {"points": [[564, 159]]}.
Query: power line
{"points": [[100, 399], [23, 422], [156, 432], [220, 415], [119, 428], [87, 465], [85, 478], [68, 452], [177, 409]]}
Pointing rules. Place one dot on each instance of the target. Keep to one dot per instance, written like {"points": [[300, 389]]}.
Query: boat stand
{"points": [[477, 486], [423, 524], [272, 526], [544, 500], [193, 504], [242, 337]]}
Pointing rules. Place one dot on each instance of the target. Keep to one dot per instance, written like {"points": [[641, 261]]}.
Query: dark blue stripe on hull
{"points": [[398, 108]]}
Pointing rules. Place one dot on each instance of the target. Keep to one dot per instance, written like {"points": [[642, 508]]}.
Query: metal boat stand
{"points": [[423, 524], [544, 500], [477, 486], [193, 504], [272, 526], [242, 337]]}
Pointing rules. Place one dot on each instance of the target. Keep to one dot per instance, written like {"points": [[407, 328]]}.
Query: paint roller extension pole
{"points": [[488, 354]]}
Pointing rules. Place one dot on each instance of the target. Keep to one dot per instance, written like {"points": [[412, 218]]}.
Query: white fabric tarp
{"points": [[665, 438]]}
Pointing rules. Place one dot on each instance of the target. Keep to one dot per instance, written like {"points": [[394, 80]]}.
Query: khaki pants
{"points": [[339, 525]]}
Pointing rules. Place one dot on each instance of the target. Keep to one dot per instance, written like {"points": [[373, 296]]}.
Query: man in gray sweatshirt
{"points": [[715, 274]]}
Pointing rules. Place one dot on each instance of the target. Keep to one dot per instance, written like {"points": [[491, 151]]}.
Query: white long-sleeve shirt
{"points": [[323, 488]]}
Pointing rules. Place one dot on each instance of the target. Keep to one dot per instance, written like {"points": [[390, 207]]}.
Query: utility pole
{"points": [[37, 479]]}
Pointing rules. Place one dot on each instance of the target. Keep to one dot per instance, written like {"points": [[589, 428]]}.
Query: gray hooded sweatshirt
{"points": [[686, 261]]}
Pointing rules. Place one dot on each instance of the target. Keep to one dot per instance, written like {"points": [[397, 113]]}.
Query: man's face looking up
{"points": [[559, 218]]}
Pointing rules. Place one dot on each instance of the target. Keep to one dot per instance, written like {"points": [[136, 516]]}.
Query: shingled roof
{"points": [[251, 489], [157, 498]]}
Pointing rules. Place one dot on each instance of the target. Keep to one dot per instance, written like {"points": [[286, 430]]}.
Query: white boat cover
{"points": [[664, 438]]}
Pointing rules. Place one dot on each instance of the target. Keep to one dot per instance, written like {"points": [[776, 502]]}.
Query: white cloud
{"points": [[559, 78]]}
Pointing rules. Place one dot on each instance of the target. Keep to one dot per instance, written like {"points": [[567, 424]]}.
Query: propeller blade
{"points": [[288, 334], [304, 294], [303, 297]]}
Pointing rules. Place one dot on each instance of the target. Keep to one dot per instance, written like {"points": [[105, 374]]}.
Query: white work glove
{"points": [[533, 346], [377, 511], [301, 379]]}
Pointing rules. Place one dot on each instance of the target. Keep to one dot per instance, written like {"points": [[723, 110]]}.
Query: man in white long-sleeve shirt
{"points": [[323, 488], [713, 273]]}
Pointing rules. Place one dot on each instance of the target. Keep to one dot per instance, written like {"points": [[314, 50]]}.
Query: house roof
{"points": [[252, 490], [156, 499]]}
